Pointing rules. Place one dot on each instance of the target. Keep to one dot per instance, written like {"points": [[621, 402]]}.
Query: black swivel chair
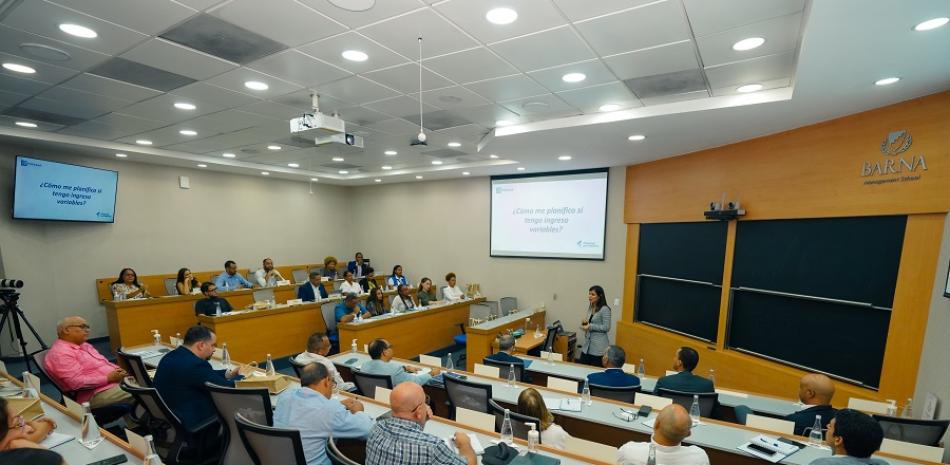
{"points": [[621, 393], [466, 394], [336, 457], [366, 383], [924, 432], [504, 367], [253, 404], [518, 426], [270, 446], [294, 365], [184, 446], [707, 400], [136, 367]]}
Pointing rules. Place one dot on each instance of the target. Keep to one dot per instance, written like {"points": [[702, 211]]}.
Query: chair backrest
{"points": [[263, 295], [870, 406], [518, 426], [504, 367], [621, 393], [39, 359], [915, 451], [366, 383], [467, 394], [170, 286], [707, 400], [493, 307], [655, 402], [252, 403], [507, 304], [549, 339], [268, 445], [440, 294], [485, 421], [479, 311], [153, 403], [136, 366], [336, 457], [297, 367], [300, 275], [485, 370], [770, 424], [569, 385], [923, 432], [329, 316]]}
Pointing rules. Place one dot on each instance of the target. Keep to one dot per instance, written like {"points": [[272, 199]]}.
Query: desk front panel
{"points": [[279, 332], [413, 333], [480, 342]]}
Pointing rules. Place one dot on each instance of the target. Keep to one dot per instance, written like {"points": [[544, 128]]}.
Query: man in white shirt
{"points": [[268, 275], [671, 427], [318, 346], [452, 292]]}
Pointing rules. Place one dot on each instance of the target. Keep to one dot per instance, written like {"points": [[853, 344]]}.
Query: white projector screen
{"points": [[561, 215]]}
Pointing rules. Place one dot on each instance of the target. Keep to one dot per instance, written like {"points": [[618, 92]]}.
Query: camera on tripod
{"points": [[12, 315], [10, 284]]}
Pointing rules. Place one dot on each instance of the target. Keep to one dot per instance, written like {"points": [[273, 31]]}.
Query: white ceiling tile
{"points": [[73, 103], [285, 21], [330, 50], [670, 58], [487, 115], [169, 56], [356, 89], [273, 110], [234, 80], [303, 101], [219, 96], [13, 41], [590, 99], [10, 122], [471, 65], [541, 106], [578, 10], [381, 10], [752, 71], [113, 126], [200, 5], [8, 99], [226, 121], [707, 17], [95, 130], [21, 86], [766, 85], [781, 34], [360, 116], [297, 67], [110, 88], [162, 108], [397, 126], [148, 16], [405, 78], [45, 72], [401, 34], [166, 136], [533, 16], [595, 71], [507, 88], [43, 18], [399, 106], [664, 99], [544, 49], [468, 132], [452, 97], [639, 28]]}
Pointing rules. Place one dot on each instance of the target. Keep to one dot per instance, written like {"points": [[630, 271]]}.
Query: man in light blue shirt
{"points": [[311, 410], [381, 352], [231, 279]]}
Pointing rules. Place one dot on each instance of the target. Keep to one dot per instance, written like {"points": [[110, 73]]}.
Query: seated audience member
{"points": [[381, 353], [369, 279], [506, 345], [357, 266], [267, 276], [531, 403], [349, 286], [231, 279], [186, 283], [853, 437], [402, 301], [347, 310], [614, 375], [127, 286], [182, 373], [17, 433], [671, 428], [426, 293], [685, 381], [400, 439], [452, 291], [79, 368], [311, 410], [815, 391], [210, 305], [318, 347], [376, 302], [30, 456], [329, 268], [397, 278], [309, 291]]}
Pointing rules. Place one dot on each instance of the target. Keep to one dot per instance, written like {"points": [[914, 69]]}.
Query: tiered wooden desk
{"points": [[481, 337]]}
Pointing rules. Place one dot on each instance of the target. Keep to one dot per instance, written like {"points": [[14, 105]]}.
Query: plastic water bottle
{"points": [[29, 390], [815, 437], [908, 412], [178, 340], [89, 435], [270, 366], [641, 369], [585, 393], [156, 337], [712, 375], [694, 410], [353, 346], [449, 363], [151, 456], [217, 309], [533, 437], [507, 433], [527, 321], [225, 356], [537, 331], [651, 454], [511, 375], [891, 408]]}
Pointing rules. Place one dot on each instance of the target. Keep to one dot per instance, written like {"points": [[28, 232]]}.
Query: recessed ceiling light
{"points": [[338, 159], [78, 31], [185, 106], [564, 157], [749, 88], [143, 142], [314, 179], [437, 162], [25, 124], [265, 173], [18, 68], [419, 176], [202, 165], [343, 172], [610, 107], [44, 52], [188, 132], [521, 168], [501, 16], [454, 144], [573, 77], [465, 173], [931, 24], [387, 167], [121, 155], [353, 5], [256, 85], [636, 137], [377, 180], [293, 165], [355, 55], [504, 122], [886, 81], [228, 155], [273, 147], [390, 152], [748, 44], [493, 156]]}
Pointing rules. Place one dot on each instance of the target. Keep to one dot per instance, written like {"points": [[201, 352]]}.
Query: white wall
{"points": [[160, 228]]}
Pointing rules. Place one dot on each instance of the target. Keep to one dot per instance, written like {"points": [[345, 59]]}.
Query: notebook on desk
{"points": [[566, 404]]}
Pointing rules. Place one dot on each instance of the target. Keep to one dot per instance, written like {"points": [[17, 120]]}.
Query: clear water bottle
{"points": [[30, 391], [151, 456], [585, 393], [156, 337], [534, 437], [178, 340], [641, 369], [511, 375], [815, 437], [908, 409], [651, 454], [353, 346], [89, 435], [269, 367], [527, 322], [225, 356], [712, 375], [537, 331], [217, 309], [891, 408], [449, 363], [694, 410], [507, 433]]}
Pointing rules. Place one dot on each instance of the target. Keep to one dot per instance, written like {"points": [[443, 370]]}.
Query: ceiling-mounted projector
{"points": [[345, 139], [309, 127]]}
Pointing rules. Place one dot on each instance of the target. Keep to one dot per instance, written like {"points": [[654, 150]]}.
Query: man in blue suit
{"points": [[182, 373], [309, 291], [506, 344], [613, 376], [685, 381]]}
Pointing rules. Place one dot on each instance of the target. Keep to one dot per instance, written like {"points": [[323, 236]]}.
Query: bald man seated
{"points": [[815, 391], [671, 428], [76, 366], [400, 439]]}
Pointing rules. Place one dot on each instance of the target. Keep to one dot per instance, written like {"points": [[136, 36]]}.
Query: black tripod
{"points": [[11, 311]]}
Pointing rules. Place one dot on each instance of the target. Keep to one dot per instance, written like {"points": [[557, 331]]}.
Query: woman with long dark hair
{"points": [[127, 286], [595, 327], [186, 283], [376, 302]]}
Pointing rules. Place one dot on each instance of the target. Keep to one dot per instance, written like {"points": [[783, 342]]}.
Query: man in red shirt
{"points": [[76, 366]]}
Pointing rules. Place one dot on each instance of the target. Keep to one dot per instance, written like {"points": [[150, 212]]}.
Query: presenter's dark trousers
{"points": [[593, 360]]}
